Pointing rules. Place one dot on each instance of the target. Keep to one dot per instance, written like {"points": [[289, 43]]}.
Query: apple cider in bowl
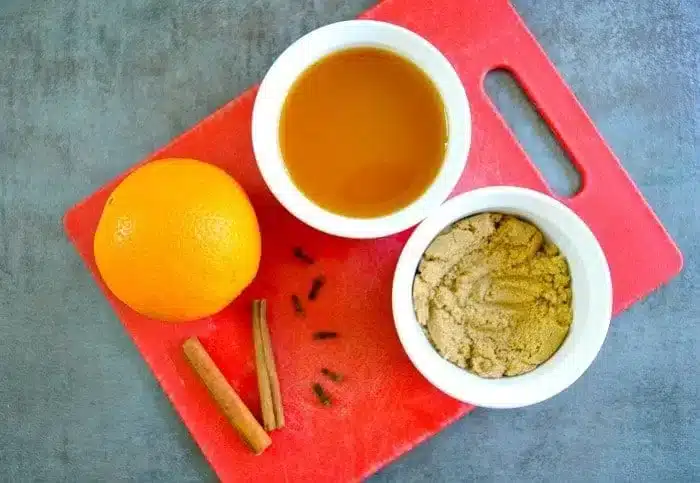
{"points": [[363, 132]]}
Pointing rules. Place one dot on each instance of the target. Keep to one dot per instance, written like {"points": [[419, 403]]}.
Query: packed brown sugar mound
{"points": [[493, 295]]}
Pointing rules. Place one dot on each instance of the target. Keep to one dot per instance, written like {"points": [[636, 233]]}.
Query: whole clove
{"points": [[296, 302], [303, 256], [322, 335], [323, 397], [333, 376], [316, 285]]}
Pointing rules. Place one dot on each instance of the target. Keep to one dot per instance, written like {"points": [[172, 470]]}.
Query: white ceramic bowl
{"points": [[307, 51], [592, 300]]}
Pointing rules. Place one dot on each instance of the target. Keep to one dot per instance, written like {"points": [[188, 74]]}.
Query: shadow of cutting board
{"points": [[385, 407]]}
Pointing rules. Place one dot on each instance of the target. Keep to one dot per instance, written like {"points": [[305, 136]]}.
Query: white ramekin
{"points": [[308, 50], [592, 300]]}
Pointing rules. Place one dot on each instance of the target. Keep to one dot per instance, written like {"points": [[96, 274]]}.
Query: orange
{"points": [[178, 240]]}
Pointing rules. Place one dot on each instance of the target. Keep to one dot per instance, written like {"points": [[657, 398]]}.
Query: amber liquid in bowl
{"points": [[363, 132]]}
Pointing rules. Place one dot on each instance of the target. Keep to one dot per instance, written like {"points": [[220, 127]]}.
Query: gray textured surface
{"points": [[87, 87]]}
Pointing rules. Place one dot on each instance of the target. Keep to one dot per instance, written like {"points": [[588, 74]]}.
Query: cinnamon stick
{"points": [[272, 369], [268, 382], [264, 386], [225, 397]]}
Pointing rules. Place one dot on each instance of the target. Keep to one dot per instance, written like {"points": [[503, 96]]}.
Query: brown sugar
{"points": [[493, 295]]}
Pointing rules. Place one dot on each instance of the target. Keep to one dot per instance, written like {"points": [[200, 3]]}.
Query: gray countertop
{"points": [[88, 87]]}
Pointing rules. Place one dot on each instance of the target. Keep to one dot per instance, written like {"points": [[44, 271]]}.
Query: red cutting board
{"points": [[385, 407]]}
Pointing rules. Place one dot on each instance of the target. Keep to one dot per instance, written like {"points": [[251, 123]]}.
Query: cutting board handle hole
{"points": [[533, 132]]}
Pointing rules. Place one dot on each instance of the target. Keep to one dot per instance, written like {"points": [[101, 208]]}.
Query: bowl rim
{"points": [[534, 386], [305, 52]]}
